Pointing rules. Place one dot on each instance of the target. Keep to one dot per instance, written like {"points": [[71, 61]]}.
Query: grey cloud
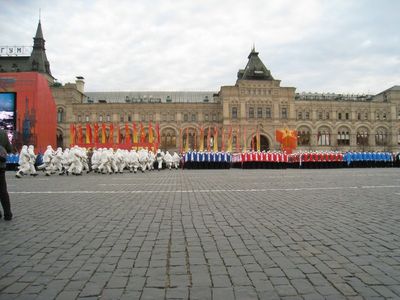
{"points": [[200, 45]]}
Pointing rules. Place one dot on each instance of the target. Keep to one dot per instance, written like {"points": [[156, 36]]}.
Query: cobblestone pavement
{"points": [[206, 234]]}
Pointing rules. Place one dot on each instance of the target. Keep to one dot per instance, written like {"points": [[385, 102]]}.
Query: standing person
{"points": [[4, 198]]}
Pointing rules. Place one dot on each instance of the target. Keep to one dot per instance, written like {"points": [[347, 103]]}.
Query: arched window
{"points": [[168, 139], [60, 115], [381, 137], [343, 137], [362, 137], [299, 115], [323, 137], [398, 137], [60, 139], [251, 112], [259, 112], [234, 112], [303, 136], [268, 113]]}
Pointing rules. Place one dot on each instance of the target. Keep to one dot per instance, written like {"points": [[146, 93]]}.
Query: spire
{"points": [[255, 68], [38, 59], [39, 33]]}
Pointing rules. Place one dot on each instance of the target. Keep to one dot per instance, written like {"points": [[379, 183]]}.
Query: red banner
{"points": [[135, 135], [151, 136], [111, 136], [88, 134], [127, 134], [118, 135], [80, 134], [180, 140], [287, 138], [158, 133], [142, 134], [209, 139], [103, 133], [96, 133], [72, 134]]}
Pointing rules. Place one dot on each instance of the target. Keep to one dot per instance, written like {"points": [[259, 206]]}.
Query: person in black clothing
{"points": [[4, 198]]}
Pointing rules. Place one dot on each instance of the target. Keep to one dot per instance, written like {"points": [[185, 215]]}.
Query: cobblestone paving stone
{"points": [[206, 234]]}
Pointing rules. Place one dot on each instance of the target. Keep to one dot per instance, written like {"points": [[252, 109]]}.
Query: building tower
{"points": [[38, 59]]}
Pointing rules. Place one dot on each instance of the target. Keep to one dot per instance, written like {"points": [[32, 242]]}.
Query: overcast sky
{"points": [[318, 46]]}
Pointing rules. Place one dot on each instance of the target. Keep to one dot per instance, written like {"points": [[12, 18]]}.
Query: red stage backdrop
{"points": [[36, 116]]}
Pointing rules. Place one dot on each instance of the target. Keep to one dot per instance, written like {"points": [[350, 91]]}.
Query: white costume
{"points": [[75, 158], [151, 160], [168, 160], [95, 160], [159, 157], [25, 164], [143, 159], [56, 162], [176, 160], [133, 161], [47, 158]]}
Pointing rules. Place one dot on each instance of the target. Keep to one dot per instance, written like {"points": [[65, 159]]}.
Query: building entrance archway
{"points": [[264, 143]]}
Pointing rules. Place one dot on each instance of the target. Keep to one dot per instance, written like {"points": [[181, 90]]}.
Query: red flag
{"points": [[135, 137], [287, 138], [111, 136], [201, 145], [230, 147], [142, 134], [151, 136], [103, 133], [119, 135], [158, 133], [215, 140], [96, 133], [187, 140], [72, 132], [180, 140], [127, 134], [80, 134], [88, 134], [209, 139]]}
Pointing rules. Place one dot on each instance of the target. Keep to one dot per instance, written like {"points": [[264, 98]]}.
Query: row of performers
{"points": [[279, 160]]}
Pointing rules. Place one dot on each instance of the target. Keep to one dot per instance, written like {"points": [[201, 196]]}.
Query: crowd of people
{"points": [[77, 160]]}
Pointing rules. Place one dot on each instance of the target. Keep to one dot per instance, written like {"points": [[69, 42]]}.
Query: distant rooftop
{"points": [[333, 97], [150, 97]]}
